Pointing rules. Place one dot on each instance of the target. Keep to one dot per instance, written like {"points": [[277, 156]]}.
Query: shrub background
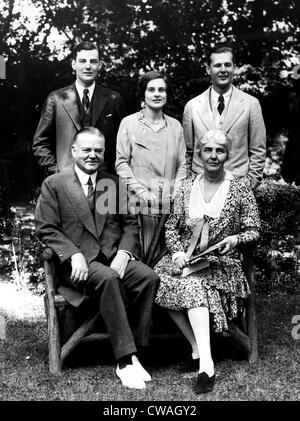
{"points": [[37, 36]]}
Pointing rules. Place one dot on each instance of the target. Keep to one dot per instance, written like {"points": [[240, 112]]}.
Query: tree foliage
{"points": [[37, 37]]}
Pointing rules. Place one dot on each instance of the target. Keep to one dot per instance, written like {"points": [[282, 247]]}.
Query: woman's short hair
{"points": [[146, 78], [219, 136]]}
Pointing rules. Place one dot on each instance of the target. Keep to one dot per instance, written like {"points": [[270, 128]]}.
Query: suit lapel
{"points": [[80, 203], [99, 101], [235, 109], [69, 102], [204, 110]]}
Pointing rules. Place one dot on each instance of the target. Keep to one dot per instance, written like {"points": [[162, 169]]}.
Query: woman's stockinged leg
{"points": [[181, 320], [199, 319]]}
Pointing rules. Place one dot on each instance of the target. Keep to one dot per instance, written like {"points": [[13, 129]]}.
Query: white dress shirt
{"points": [[84, 178], [80, 89], [214, 101]]}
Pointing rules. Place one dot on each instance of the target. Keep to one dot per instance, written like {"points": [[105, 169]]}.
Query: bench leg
{"points": [[53, 338], [251, 326], [52, 318], [251, 317]]}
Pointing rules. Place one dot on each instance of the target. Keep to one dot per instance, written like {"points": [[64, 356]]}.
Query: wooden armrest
{"points": [[59, 300], [48, 254]]}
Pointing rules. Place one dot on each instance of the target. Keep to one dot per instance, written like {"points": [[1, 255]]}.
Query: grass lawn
{"points": [[89, 375]]}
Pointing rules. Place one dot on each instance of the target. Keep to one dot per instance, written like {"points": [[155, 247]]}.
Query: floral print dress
{"points": [[223, 285]]}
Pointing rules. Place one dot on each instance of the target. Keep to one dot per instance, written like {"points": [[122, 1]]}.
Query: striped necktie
{"points": [[86, 100], [221, 105]]}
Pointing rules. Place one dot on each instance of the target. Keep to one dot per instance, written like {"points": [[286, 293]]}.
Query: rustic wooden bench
{"points": [[65, 333]]}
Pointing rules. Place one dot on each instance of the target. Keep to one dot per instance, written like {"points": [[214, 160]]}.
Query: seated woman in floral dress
{"points": [[212, 208]]}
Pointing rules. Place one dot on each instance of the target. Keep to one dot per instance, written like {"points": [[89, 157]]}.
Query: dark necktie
{"points": [[85, 101], [90, 195], [221, 105]]}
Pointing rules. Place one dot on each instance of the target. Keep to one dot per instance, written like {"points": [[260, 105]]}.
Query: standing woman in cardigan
{"points": [[151, 155]]}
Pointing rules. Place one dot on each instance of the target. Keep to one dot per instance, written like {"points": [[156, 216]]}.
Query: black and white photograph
{"points": [[149, 203]]}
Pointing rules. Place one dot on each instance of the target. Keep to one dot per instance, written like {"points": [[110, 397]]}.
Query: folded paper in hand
{"points": [[195, 267], [198, 262]]}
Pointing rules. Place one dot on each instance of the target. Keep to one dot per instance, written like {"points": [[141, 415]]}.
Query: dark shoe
{"points": [[204, 384], [189, 365]]}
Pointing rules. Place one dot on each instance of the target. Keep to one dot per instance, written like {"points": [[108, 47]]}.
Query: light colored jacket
{"points": [[243, 124], [134, 156]]}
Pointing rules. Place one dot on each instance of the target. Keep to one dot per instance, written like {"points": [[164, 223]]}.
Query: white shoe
{"points": [[130, 377], [138, 366]]}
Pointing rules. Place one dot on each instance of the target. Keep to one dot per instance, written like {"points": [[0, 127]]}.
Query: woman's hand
{"points": [[181, 261], [228, 244], [148, 198], [120, 262]]}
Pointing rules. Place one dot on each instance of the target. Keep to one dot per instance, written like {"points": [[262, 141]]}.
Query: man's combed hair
{"points": [[88, 130], [85, 45], [219, 49]]}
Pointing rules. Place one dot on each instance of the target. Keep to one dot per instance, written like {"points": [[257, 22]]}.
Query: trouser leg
{"points": [[104, 282], [140, 283]]}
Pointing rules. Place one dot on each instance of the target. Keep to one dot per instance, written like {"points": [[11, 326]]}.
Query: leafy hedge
{"points": [[276, 253], [20, 250], [275, 256]]}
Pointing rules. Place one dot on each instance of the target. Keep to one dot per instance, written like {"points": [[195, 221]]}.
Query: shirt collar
{"points": [[83, 177], [215, 95], [141, 117], [80, 89]]}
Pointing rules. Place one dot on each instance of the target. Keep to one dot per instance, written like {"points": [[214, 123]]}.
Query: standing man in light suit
{"points": [[237, 114], [67, 110]]}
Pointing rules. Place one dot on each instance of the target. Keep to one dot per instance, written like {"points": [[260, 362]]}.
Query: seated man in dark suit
{"points": [[80, 215]]}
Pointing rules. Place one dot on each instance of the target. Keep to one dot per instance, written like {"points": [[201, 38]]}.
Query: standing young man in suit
{"points": [[223, 106], [67, 110], [82, 215]]}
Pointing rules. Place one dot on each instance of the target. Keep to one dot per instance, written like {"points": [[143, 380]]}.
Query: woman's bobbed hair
{"points": [[145, 79]]}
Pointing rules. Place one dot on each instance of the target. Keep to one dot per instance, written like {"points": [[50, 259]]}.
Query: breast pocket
{"points": [[140, 153], [107, 123]]}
